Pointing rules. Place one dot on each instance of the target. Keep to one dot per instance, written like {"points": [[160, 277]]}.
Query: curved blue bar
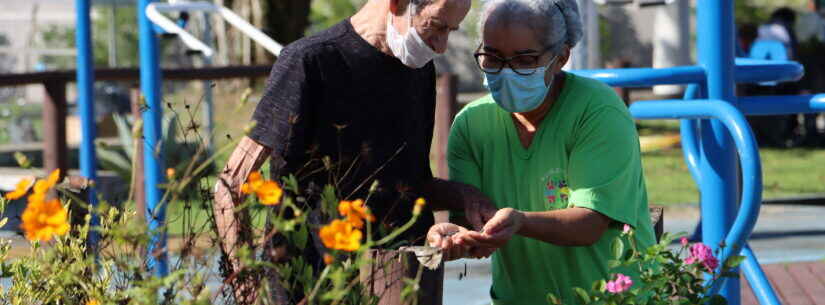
{"points": [[750, 70], [746, 146], [689, 132], [746, 71], [760, 285], [783, 104], [646, 77]]}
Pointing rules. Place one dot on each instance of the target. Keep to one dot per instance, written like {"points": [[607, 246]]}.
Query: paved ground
{"points": [[783, 234]]}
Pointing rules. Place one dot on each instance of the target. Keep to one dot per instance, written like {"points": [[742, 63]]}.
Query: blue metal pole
{"points": [[150, 84], [720, 185], [760, 285], [86, 104]]}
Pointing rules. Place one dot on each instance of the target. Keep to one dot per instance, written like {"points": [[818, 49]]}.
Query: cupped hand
{"points": [[440, 236], [496, 232]]}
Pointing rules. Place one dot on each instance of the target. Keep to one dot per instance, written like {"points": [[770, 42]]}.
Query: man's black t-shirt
{"points": [[335, 95]]}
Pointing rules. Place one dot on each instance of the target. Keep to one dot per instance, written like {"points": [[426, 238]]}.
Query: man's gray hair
{"points": [[556, 22]]}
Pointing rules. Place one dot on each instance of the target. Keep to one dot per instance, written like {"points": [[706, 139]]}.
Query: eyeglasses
{"points": [[524, 64]]}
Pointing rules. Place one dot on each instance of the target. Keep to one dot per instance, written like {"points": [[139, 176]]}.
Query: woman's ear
{"points": [[564, 56]]}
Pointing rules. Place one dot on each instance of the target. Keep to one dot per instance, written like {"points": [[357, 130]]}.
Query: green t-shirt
{"points": [[584, 154]]}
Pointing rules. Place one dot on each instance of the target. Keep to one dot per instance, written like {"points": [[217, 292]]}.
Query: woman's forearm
{"points": [[567, 227]]}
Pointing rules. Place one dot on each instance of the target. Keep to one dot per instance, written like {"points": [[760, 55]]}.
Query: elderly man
{"points": [[361, 93]]}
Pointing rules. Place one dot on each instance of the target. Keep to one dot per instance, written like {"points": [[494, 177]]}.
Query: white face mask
{"points": [[410, 48]]}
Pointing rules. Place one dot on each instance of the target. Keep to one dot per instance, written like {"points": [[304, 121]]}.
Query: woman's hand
{"points": [[497, 231], [440, 236]]}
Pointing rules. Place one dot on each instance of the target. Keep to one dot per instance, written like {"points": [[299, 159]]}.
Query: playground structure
{"points": [[717, 140]]}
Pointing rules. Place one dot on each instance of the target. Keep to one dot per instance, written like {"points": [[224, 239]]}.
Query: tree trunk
{"points": [[287, 20]]}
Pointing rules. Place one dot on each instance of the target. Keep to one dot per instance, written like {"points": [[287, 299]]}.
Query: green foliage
{"points": [[67, 271], [665, 277], [326, 13]]}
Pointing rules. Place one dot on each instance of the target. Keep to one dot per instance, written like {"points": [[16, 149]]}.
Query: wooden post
{"points": [[445, 110], [384, 278], [137, 159], [55, 149]]}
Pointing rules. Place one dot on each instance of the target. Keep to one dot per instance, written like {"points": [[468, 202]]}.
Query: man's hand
{"points": [[496, 232], [440, 236], [478, 209]]}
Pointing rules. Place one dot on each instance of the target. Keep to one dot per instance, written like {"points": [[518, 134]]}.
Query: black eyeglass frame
{"points": [[508, 60]]}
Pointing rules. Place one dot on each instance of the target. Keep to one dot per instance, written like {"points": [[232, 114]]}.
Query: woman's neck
{"points": [[529, 121]]}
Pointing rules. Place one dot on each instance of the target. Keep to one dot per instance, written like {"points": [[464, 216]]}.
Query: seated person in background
{"points": [[557, 153]]}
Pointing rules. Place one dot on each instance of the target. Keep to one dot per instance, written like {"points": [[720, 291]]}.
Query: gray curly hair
{"points": [[557, 22]]}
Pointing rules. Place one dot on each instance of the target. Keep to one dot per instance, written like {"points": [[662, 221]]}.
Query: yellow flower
{"points": [[419, 205], [269, 193], [43, 219], [356, 212], [92, 302], [19, 190], [341, 235]]}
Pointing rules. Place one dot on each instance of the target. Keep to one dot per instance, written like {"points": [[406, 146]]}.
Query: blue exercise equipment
{"points": [[716, 139]]}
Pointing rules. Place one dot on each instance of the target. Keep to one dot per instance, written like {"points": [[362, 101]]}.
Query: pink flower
{"points": [[683, 241], [700, 253], [621, 284], [626, 229]]}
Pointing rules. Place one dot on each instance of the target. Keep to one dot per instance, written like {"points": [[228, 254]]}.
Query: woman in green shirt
{"points": [[557, 153]]}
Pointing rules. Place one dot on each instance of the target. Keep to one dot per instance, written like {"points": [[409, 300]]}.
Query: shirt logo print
{"points": [[556, 190]]}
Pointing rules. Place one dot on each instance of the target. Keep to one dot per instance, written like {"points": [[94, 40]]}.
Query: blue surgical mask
{"points": [[518, 93]]}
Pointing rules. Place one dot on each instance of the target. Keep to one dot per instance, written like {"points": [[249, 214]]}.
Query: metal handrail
{"points": [[746, 147], [154, 10], [747, 70]]}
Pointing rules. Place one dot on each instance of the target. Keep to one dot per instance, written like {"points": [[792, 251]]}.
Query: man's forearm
{"points": [[447, 195], [233, 226], [566, 227], [460, 197]]}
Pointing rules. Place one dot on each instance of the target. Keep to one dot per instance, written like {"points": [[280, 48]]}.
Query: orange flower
{"points": [[419, 205], [269, 193], [328, 259], [341, 235], [356, 212], [92, 302], [53, 178], [43, 219], [170, 173], [19, 190], [253, 182]]}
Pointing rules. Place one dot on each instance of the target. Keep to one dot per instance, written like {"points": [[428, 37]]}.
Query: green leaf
{"points": [[599, 285], [734, 261], [617, 247], [22, 160], [301, 237], [583, 296], [613, 263], [553, 299]]}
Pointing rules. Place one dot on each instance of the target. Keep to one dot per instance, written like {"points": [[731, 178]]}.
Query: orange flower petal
{"points": [[53, 178]]}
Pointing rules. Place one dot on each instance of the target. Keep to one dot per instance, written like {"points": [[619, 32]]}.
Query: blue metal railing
{"points": [[712, 121]]}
